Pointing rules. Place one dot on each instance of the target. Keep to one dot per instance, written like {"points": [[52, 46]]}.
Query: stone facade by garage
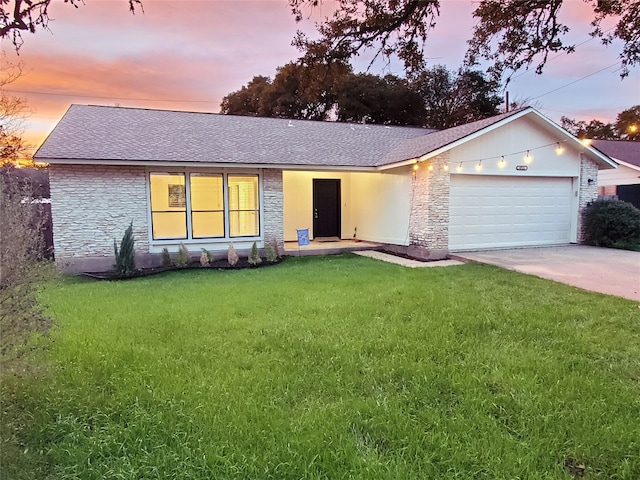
{"points": [[273, 207], [429, 218], [91, 205], [588, 191]]}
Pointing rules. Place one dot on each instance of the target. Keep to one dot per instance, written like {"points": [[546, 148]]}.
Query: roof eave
{"points": [[196, 164]]}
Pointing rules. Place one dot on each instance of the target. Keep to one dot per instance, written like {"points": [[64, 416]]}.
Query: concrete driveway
{"points": [[604, 270]]}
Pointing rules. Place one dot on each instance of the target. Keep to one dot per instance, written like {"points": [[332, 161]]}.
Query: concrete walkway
{"points": [[604, 270], [406, 262]]}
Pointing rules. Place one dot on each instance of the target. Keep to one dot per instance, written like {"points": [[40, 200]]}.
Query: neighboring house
{"points": [[207, 180], [624, 182]]}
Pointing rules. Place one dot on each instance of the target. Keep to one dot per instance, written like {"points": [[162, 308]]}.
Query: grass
{"points": [[328, 368]]}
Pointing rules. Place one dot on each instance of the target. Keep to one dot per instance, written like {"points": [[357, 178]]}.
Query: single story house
{"points": [[207, 180], [623, 182]]}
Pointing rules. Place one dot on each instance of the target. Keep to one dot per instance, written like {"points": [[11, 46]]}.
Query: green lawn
{"points": [[328, 368]]}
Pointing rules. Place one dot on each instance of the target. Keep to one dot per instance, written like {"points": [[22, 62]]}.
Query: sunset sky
{"points": [[186, 55]]}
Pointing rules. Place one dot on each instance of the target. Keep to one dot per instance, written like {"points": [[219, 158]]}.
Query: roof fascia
{"points": [[627, 164], [168, 164], [458, 142], [599, 156]]}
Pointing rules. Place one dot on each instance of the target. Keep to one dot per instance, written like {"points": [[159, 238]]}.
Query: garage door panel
{"points": [[492, 211]]}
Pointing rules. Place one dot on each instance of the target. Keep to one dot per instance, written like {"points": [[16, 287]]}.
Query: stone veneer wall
{"points": [[91, 206], [273, 207], [429, 219], [588, 192]]}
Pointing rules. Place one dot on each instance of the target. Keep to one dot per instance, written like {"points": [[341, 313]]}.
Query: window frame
{"points": [[190, 239]]}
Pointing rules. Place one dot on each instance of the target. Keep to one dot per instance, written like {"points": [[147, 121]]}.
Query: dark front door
{"points": [[326, 207]]}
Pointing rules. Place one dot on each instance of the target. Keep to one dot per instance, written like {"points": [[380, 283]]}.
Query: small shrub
{"points": [[183, 257], [166, 258], [611, 222], [205, 257], [271, 253], [232, 256], [125, 256], [254, 255]]}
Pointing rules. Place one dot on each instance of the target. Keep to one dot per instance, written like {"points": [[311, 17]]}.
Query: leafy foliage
{"points": [[22, 265], [612, 222], [626, 126], [125, 256], [512, 34], [17, 16], [437, 97], [387, 100], [254, 255], [455, 98]]}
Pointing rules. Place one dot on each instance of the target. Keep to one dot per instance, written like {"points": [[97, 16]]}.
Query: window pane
{"points": [[244, 224], [169, 225], [168, 205], [206, 192], [244, 206], [243, 192], [207, 224]]}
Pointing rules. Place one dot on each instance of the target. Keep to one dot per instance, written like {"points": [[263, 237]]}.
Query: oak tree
{"points": [[512, 34]]}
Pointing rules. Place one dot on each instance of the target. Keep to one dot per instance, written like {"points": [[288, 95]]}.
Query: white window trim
{"points": [[217, 243]]}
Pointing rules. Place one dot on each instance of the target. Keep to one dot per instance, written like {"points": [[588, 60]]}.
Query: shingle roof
{"points": [[112, 133], [422, 145], [626, 151]]}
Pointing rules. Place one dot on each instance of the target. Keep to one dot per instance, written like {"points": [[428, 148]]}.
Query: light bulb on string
{"points": [[528, 158], [502, 163]]}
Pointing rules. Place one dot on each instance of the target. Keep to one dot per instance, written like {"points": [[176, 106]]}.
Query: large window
{"points": [[204, 205]]}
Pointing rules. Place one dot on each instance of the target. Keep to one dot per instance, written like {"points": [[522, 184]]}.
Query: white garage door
{"points": [[493, 211]]}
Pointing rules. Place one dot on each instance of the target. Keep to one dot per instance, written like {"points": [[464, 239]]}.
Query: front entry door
{"points": [[326, 207]]}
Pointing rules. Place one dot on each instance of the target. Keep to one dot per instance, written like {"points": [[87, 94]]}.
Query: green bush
{"points": [[183, 257], [609, 223], [166, 257], [126, 256], [232, 256], [205, 257]]}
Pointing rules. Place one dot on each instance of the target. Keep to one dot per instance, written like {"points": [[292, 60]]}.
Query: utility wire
{"points": [[33, 92], [575, 81]]}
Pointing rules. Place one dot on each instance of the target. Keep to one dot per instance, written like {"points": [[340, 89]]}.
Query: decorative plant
{"points": [[254, 255], [183, 256], [274, 242], [125, 256], [232, 256], [611, 223], [271, 253], [166, 258], [205, 257]]}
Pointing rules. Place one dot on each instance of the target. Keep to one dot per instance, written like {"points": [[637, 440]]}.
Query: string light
{"points": [[502, 159], [415, 167], [445, 167], [430, 168], [528, 158]]}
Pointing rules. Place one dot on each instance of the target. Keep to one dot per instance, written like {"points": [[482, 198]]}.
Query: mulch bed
{"points": [[221, 264]]}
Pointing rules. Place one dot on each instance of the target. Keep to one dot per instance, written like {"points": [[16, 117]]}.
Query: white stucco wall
{"points": [[512, 140], [377, 204], [380, 205]]}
